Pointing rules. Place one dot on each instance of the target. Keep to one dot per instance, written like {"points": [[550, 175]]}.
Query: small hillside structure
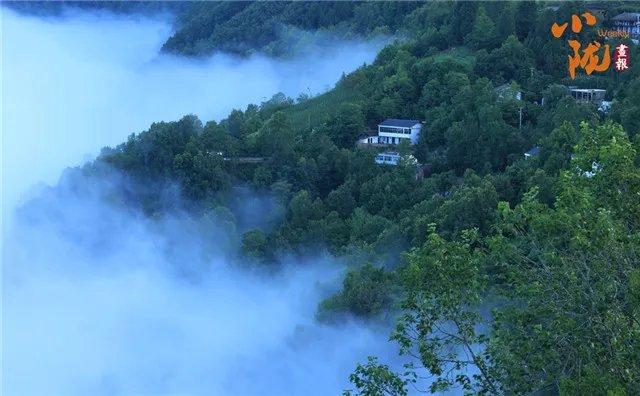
{"points": [[394, 158], [388, 158], [393, 131], [534, 152], [628, 22], [369, 138], [588, 95], [508, 91]]}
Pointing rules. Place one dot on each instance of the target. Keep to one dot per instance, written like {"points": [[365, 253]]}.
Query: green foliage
{"points": [[472, 205], [443, 285], [610, 163], [302, 208], [565, 279], [375, 379], [247, 27], [511, 61], [525, 18], [557, 148], [504, 13], [347, 125], [151, 153], [317, 110], [484, 33], [366, 292], [342, 200], [217, 139], [567, 273], [627, 110], [274, 138], [463, 19], [255, 245], [200, 173], [366, 228], [480, 139]]}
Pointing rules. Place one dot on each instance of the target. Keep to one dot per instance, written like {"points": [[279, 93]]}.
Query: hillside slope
{"points": [[275, 27]]}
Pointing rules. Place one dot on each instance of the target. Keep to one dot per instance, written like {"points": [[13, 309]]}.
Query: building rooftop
{"points": [[533, 152], [508, 90], [587, 90], [627, 16], [368, 133], [388, 158], [399, 123]]}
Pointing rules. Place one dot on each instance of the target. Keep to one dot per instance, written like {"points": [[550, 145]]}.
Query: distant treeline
{"points": [[247, 27], [57, 7]]}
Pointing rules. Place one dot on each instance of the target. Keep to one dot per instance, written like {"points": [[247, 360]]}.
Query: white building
{"points": [[629, 22], [393, 158], [588, 95], [389, 158], [508, 91], [366, 140], [392, 131], [534, 152]]}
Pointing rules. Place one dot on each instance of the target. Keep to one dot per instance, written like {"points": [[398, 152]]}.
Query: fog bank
{"points": [[73, 85], [99, 300]]}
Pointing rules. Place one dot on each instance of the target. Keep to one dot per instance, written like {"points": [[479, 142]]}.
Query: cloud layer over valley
{"points": [[97, 299], [72, 85]]}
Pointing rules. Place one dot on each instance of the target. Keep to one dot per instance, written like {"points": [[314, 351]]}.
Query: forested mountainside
{"points": [[523, 270], [278, 28], [57, 7], [275, 28]]}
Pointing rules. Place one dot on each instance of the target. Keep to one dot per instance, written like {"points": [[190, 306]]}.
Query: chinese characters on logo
{"points": [[622, 57], [588, 59]]}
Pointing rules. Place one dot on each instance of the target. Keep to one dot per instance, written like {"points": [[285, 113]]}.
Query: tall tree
{"points": [[347, 125], [526, 17], [484, 33], [463, 18]]}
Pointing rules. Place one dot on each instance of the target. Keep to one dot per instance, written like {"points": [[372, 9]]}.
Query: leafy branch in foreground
{"points": [[375, 379], [567, 279], [440, 326]]}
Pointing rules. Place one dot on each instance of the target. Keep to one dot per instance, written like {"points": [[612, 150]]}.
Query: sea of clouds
{"points": [[100, 300], [74, 84]]}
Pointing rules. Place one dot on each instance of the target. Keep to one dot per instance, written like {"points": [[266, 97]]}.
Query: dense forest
{"points": [[505, 274], [59, 7], [279, 28]]}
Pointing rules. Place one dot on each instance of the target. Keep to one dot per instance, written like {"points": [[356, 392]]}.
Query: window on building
{"points": [[390, 129]]}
